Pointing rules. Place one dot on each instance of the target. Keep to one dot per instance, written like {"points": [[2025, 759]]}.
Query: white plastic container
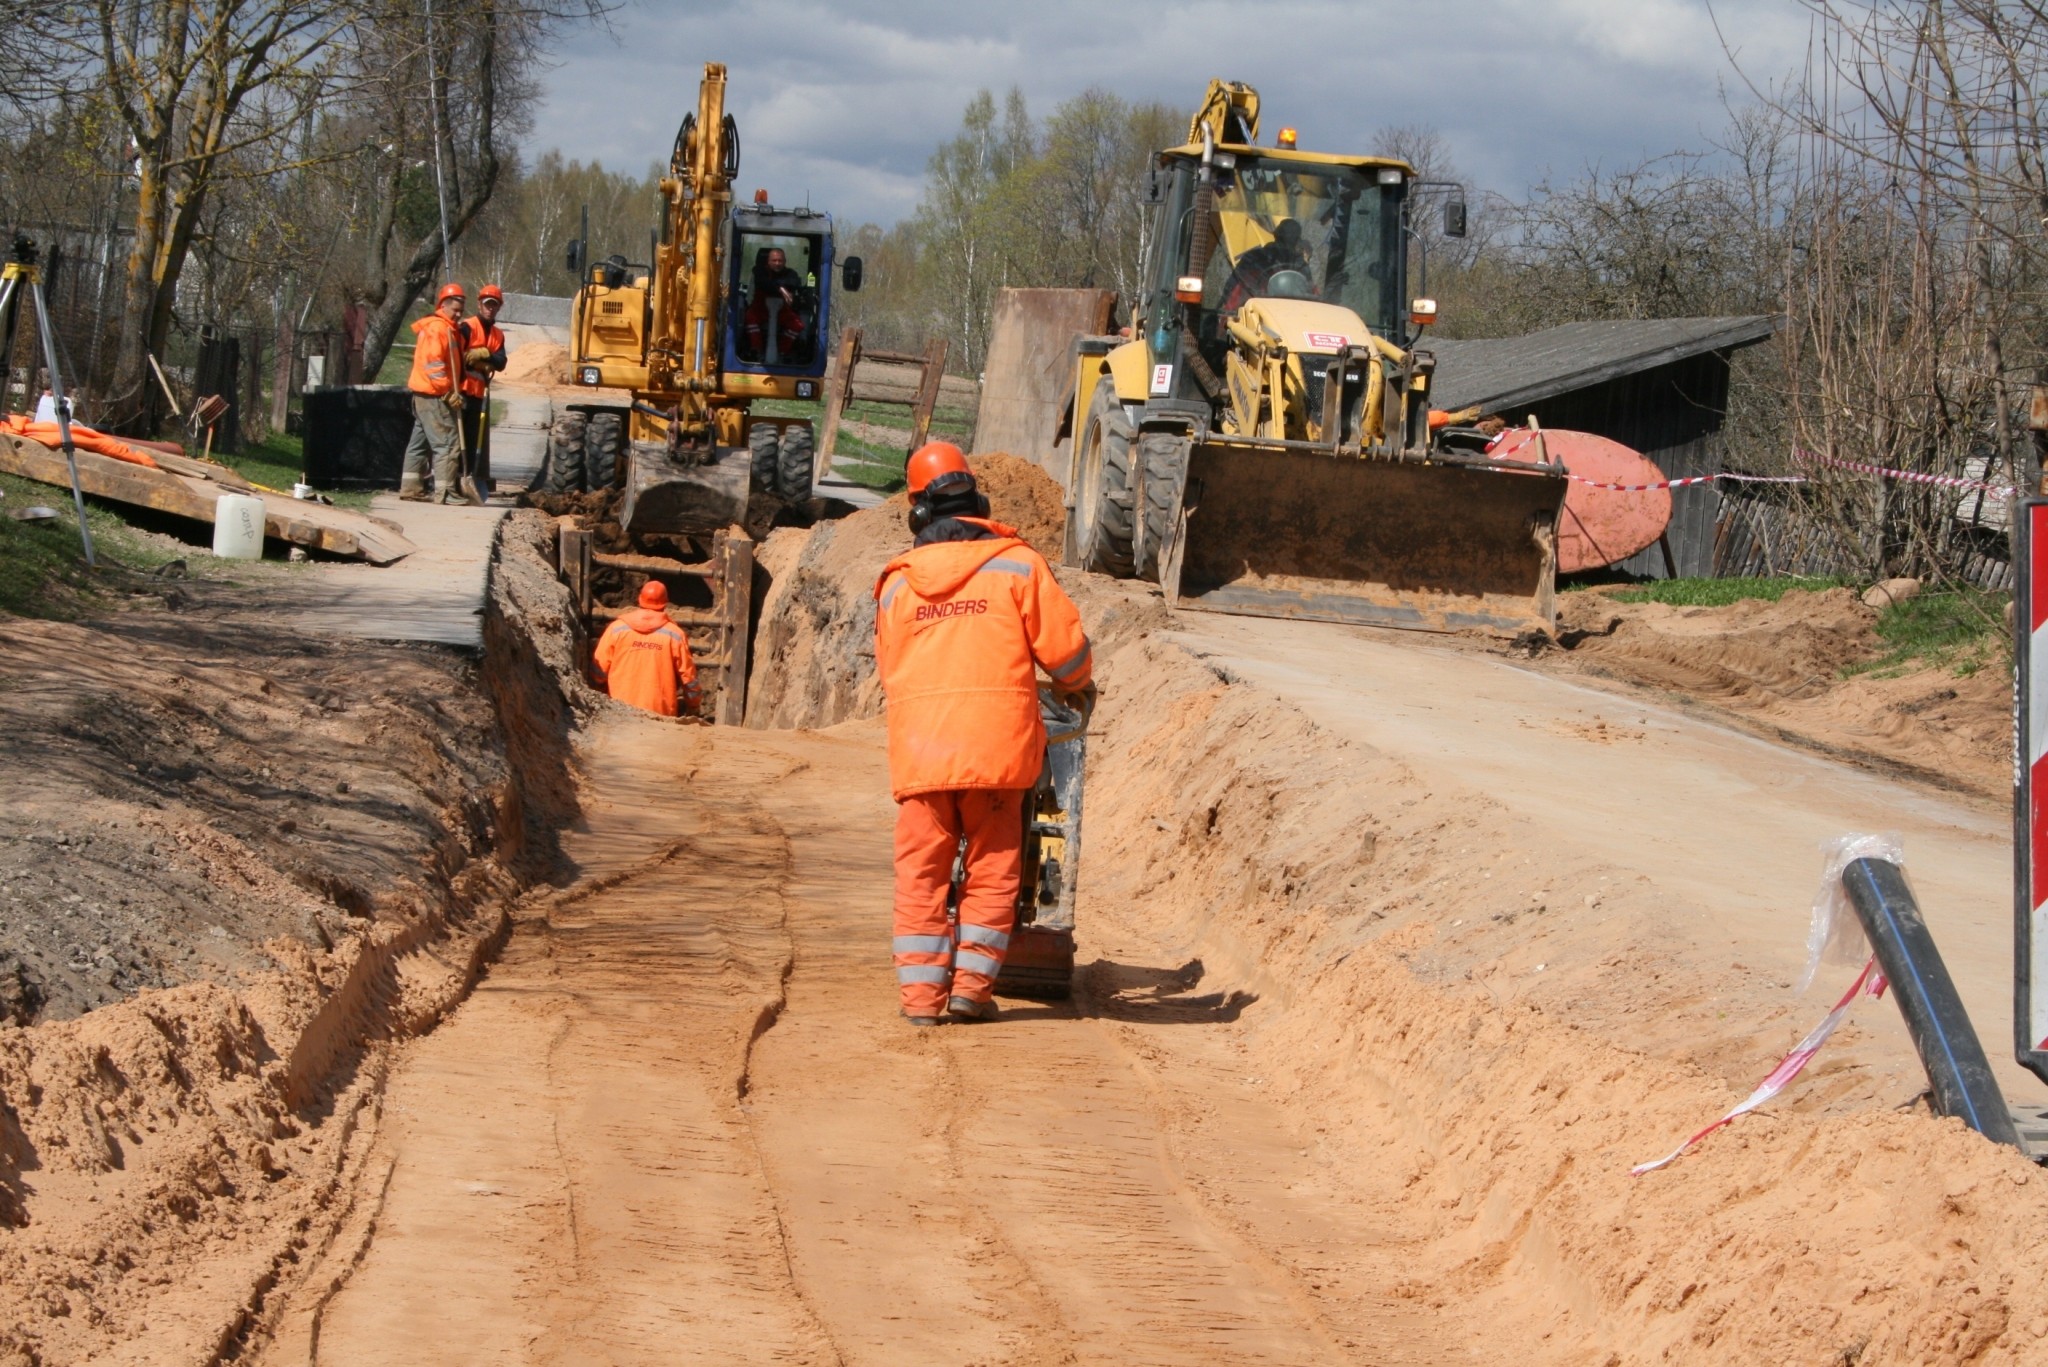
{"points": [[238, 527]]}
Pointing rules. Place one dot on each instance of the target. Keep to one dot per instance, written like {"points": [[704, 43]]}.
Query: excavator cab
{"points": [[779, 289]]}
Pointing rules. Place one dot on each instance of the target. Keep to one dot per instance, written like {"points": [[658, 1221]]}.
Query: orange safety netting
{"points": [[84, 438]]}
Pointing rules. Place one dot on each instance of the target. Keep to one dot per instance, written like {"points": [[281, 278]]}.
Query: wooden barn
{"points": [[1657, 385]]}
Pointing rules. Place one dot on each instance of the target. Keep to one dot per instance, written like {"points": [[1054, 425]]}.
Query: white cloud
{"points": [[845, 104]]}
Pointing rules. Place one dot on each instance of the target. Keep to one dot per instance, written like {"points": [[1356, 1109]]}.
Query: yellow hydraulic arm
{"points": [[1230, 111], [682, 356]]}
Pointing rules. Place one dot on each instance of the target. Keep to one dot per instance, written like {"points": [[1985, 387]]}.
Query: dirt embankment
{"points": [[1778, 668], [1483, 1037], [250, 859]]}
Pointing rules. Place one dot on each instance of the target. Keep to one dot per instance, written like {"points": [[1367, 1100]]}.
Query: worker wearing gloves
{"points": [[436, 402], [483, 355], [960, 621], [644, 659]]}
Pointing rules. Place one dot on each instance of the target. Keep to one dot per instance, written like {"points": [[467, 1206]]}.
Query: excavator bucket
{"points": [[1449, 542], [685, 500]]}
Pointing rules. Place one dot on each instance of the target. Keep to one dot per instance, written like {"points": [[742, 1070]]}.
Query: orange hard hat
{"points": [[451, 290], [490, 292], [931, 460], [654, 594]]}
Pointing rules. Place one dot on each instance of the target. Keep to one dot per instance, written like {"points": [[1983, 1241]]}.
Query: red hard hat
{"points": [[451, 290], [931, 460], [654, 594], [490, 292]]}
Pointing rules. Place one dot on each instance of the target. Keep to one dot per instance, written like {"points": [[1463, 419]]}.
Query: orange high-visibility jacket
{"points": [[436, 361], [643, 658], [958, 627], [475, 332]]}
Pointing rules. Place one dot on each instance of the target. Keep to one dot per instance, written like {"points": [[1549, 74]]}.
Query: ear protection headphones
{"points": [[945, 497]]}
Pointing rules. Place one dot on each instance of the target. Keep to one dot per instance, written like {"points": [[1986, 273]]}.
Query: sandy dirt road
{"points": [[681, 1119], [1725, 825]]}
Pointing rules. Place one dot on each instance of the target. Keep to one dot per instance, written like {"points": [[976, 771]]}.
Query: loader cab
{"points": [[1269, 223], [782, 340]]}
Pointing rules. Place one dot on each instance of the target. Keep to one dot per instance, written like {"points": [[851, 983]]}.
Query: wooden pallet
{"points": [[840, 392], [718, 637]]}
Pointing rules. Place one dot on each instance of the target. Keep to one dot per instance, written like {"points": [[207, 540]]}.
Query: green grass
{"points": [[277, 463], [1719, 593], [876, 463], [397, 364], [42, 567], [1962, 629]]}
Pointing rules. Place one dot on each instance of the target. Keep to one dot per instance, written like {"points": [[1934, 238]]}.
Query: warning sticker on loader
{"points": [[1162, 379], [1327, 341]]}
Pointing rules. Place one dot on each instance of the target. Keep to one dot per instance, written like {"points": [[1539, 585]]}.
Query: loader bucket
{"points": [[1447, 543], [684, 500]]}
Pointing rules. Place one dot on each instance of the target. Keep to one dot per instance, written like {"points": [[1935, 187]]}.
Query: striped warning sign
{"points": [[2030, 791]]}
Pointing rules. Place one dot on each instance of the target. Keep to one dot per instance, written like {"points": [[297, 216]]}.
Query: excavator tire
{"points": [[799, 453], [1163, 460], [564, 474], [604, 442], [764, 447], [1104, 485]]}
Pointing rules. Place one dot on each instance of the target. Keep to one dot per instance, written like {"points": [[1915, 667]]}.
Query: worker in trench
{"points": [[644, 659], [436, 402], [961, 620]]}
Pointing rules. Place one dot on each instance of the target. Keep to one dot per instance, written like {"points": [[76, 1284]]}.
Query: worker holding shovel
{"points": [[483, 355], [961, 621]]}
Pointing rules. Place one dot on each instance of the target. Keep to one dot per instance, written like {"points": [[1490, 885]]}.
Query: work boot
{"points": [[412, 489], [922, 1021], [961, 1009]]}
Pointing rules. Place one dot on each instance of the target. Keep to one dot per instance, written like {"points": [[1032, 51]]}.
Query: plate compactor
{"points": [[1040, 962]]}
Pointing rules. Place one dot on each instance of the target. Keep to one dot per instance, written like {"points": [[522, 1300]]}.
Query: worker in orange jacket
{"points": [[960, 621], [436, 402], [483, 355], [644, 659]]}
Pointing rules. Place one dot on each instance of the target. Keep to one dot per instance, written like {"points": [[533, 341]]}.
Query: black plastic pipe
{"points": [[1949, 1049]]}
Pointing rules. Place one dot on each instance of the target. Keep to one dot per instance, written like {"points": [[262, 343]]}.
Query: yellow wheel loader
{"points": [[1261, 443], [695, 337]]}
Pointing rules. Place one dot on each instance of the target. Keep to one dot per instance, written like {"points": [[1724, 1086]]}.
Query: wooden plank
{"points": [[927, 392], [838, 384], [654, 564], [736, 606]]}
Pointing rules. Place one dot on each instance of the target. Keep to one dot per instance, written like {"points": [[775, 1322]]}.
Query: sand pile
{"points": [[1781, 667]]}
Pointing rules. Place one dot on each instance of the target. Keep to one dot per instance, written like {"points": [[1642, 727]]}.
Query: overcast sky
{"points": [[844, 102]]}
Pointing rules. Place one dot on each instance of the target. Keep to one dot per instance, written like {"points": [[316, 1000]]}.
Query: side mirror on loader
{"points": [[849, 274], [1454, 218], [573, 258]]}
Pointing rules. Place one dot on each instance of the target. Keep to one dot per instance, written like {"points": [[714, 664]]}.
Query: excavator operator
{"points": [[1255, 271], [774, 280], [961, 620]]}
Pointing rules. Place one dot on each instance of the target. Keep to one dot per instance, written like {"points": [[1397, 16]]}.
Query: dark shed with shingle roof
{"points": [[1657, 385]]}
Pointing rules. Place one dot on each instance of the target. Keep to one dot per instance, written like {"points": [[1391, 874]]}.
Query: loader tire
{"points": [[604, 443], [1104, 503], [764, 452], [797, 465], [1163, 459], [564, 473]]}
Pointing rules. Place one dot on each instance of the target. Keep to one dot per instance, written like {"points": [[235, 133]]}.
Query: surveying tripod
{"points": [[21, 266]]}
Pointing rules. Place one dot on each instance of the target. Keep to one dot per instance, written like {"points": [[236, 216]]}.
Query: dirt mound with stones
{"points": [[235, 864], [1783, 667]]}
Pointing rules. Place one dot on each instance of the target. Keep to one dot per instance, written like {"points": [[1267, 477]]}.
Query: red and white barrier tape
{"points": [[1911, 476], [1682, 483], [1870, 980]]}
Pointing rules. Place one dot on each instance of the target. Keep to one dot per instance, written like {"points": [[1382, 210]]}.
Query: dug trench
{"points": [[1357, 1063]]}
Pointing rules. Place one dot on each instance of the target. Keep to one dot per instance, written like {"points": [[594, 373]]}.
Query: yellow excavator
{"points": [[1261, 443], [735, 306]]}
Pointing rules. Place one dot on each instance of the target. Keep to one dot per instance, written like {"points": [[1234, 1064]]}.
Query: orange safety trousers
{"points": [[933, 960]]}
